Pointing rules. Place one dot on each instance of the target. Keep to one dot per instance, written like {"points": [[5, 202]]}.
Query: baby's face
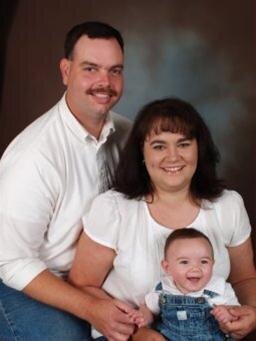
{"points": [[189, 262]]}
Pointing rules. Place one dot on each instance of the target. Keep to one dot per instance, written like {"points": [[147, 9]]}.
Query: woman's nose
{"points": [[173, 153]]}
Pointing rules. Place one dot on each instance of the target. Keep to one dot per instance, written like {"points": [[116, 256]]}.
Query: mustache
{"points": [[102, 90]]}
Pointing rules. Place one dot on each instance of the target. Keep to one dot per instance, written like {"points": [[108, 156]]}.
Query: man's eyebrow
{"points": [[88, 63], [117, 66]]}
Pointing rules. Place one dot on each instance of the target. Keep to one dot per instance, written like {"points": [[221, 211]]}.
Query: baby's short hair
{"points": [[185, 233]]}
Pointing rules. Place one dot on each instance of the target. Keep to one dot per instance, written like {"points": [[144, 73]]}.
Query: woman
{"points": [[166, 180]]}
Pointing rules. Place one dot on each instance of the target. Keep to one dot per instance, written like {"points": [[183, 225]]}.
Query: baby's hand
{"points": [[222, 315], [137, 318], [142, 317]]}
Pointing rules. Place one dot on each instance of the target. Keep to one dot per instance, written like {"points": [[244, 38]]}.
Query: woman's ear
{"points": [[65, 70]]}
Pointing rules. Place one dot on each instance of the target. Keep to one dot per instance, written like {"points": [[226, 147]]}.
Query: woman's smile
{"points": [[173, 155]]}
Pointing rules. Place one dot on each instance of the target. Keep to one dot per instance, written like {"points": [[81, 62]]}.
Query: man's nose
{"points": [[104, 78]]}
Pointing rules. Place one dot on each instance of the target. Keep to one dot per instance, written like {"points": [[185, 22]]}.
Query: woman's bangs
{"points": [[173, 125]]}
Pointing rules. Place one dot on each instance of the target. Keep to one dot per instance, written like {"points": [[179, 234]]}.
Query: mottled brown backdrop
{"points": [[202, 51]]}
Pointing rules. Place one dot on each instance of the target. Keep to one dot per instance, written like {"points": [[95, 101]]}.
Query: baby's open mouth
{"points": [[194, 279]]}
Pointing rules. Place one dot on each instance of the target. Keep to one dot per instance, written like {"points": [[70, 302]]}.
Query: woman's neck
{"points": [[173, 210], [172, 198]]}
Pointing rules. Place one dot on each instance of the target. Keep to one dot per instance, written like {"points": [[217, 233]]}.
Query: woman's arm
{"points": [[243, 279], [91, 265], [243, 272]]}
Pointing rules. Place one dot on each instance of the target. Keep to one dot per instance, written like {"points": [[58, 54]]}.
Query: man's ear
{"points": [[65, 70]]}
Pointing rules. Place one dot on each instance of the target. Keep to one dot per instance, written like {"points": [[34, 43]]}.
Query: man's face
{"points": [[93, 76]]}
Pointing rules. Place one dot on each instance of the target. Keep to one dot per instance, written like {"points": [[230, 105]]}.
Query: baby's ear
{"points": [[165, 266]]}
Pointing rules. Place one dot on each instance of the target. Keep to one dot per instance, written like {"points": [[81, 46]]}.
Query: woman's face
{"points": [[171, 161]]}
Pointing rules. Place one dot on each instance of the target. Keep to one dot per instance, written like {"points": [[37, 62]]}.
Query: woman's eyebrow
{"points": [[157, 141]]}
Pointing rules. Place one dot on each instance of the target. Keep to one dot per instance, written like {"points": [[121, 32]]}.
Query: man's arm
{"points": [[108, 316], [54, 291]]}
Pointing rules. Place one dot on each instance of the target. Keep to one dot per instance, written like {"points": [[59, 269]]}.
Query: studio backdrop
{"points": [[201, 51]]}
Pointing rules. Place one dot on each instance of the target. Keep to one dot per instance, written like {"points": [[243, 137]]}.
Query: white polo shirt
{"points": [[49, 176]]}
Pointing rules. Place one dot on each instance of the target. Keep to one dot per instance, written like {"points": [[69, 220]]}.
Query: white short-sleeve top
{"points": [[138, 240]]}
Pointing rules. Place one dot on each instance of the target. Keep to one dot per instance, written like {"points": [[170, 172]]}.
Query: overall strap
{"points": [[210, 293], [159, 287]]}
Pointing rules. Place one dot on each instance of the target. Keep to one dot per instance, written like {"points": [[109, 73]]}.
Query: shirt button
{"points": [[162, 300]]}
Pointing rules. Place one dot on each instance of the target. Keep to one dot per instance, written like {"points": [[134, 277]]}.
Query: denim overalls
{"points": [[187, 318]]}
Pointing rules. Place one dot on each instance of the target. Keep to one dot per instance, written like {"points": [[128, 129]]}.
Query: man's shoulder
{"points": [[35, 136], [120, 121], [38, 126], [122, 128]]}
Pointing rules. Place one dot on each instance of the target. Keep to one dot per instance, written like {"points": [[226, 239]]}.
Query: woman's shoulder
{"points": [[229, 199], [113, 197], [111, 194], [231, 211], [229, 206]]}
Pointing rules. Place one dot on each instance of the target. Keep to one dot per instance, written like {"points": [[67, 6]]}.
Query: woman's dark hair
{"points": [[92, 29], [185, 233], [176, 116]]}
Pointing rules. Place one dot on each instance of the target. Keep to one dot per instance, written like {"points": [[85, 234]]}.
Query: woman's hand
{"points": [[146, 334], [244, 324]]}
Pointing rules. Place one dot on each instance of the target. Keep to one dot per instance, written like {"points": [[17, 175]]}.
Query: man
{"points": [[49, 175]]}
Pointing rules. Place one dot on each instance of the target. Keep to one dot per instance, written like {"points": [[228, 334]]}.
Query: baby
{"points": [[190, 301]]}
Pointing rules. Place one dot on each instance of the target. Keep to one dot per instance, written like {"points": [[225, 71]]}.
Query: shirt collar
{"points": [[108, 128], [215, 285], [77, 127], [168, 284]]}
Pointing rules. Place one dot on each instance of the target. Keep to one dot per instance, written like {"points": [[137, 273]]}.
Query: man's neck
{"points": [[92, 124], [94, 127]]}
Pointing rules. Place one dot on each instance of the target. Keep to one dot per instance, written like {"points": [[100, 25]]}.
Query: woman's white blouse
{"points": [[138, 240]]}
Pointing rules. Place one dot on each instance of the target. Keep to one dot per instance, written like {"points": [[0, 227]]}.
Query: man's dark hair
{"points": [[92, 29], [185, 233], [175, 116]]}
